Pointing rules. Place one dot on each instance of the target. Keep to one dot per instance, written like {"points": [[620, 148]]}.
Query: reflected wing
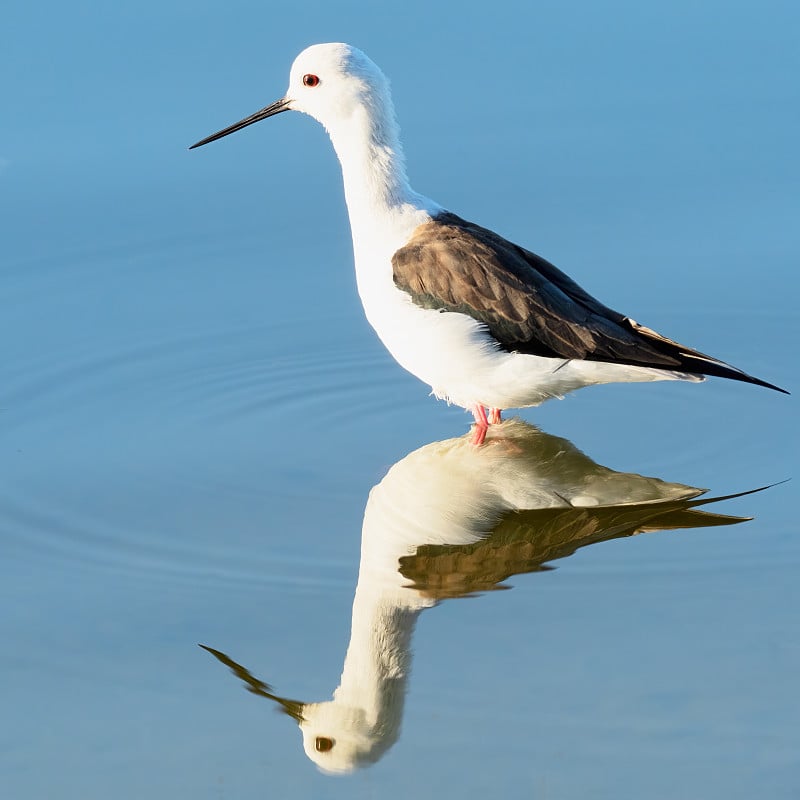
{"points": [[524, 541]]}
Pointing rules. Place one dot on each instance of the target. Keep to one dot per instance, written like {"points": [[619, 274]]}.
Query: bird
{"points": [[486, 323], [451, 520]]}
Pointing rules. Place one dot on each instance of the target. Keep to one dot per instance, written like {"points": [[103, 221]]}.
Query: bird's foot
{"points": [[481, 424], [479, 435]]}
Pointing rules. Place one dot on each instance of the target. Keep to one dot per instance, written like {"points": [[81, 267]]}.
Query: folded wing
{"points": [[530, 306]]}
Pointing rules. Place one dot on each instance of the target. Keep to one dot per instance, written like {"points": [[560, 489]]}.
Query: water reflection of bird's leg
{"points": [[481, 424], [495, 416]]}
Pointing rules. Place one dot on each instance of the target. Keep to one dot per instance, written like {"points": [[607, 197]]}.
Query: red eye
{"points": [[310, 80]]}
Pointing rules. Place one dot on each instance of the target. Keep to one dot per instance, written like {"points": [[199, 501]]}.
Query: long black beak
{"points": [[269, 111]]}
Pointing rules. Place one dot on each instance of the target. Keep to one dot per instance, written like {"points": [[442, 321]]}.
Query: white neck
{"points": [[380, 202], [378, 660], [373, 165]]}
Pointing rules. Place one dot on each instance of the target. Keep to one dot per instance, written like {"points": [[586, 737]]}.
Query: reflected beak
{"points": [[294, 708], [291, 707], [276, 108]]}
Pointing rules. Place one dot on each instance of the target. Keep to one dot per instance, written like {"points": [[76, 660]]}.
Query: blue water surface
{"points": [[193, 410]]}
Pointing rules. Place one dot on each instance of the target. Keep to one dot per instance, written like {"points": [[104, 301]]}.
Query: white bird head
{"points": [[340, 738], [331, 83]]}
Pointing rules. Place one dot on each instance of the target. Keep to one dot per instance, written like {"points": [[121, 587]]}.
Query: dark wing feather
{"points": [[530, 306]]}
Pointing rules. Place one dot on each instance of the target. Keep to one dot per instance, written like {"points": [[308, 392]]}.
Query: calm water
{"points": [[202, 442]]}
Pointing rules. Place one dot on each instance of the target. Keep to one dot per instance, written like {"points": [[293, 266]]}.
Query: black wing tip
{"points": [[722, 370], [757, 382], [773, 386]]}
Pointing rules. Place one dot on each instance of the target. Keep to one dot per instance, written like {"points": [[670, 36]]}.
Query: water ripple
{"points": [[115, 458]]}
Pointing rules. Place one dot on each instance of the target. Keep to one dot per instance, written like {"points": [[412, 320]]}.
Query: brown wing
{"points": [[530, 306]]}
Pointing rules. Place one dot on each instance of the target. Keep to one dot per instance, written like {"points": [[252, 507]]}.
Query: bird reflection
{"points": [[453, 520]]}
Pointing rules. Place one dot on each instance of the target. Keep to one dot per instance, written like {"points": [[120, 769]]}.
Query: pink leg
{"points": [[494, 416], [481, 424]]}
